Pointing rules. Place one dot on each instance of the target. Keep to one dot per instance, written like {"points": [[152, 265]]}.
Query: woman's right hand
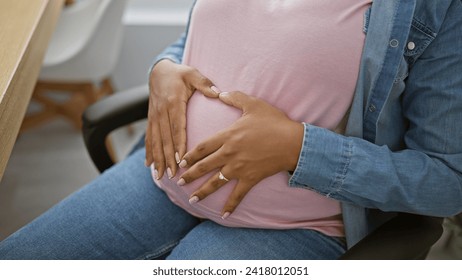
{"points": [[171, 85]]}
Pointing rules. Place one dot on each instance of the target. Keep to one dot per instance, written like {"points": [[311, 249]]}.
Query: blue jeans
{"points": [[123, 215]]}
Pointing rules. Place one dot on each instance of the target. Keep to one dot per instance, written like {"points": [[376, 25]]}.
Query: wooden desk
{"points": [[25, 29]]}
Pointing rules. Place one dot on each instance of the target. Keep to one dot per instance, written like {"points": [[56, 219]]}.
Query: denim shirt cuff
{"points": [[323, 161]]}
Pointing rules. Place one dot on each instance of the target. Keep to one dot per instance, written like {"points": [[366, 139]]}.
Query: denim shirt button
{"points": [[410, 46], [394, 43], [372, 108]]}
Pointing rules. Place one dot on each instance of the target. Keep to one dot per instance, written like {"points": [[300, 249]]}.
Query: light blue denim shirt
{"points": [[402, 150]]}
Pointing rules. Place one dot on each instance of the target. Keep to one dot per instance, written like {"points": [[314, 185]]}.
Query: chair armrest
{"points": [[109, 114], [406, 236]]}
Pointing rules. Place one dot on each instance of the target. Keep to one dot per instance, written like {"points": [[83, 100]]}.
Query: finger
{"points": [[203, 149], [177, 118], [202, 167], [148, 145], [167, 143], [241, 189], [157, 151], [237, 99], [204, 85], [209, 187], [148, 140]]}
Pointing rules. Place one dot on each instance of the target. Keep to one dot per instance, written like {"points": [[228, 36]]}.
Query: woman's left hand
{"points": [[263, 142]]}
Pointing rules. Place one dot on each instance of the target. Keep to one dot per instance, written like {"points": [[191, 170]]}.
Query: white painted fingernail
{"points": [[177, 157], [169, 173], [225, 215], [224, 93], [156, 174], [215, 89], [193, 200], [183, 164], [181, 182]]}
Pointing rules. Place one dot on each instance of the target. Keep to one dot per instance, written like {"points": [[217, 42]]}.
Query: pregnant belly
{"points": [[270, 204]]}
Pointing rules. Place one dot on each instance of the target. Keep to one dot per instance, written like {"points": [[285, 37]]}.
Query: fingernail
{"points": [[169, 173], [183, 164], [224, 93], [215, 89], [156, 174], [146, 163], [225, 215], [177, 157], [181, 182], [193, 200]]}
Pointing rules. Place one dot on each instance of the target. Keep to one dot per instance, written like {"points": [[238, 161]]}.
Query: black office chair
{"points": [[406, 236]]}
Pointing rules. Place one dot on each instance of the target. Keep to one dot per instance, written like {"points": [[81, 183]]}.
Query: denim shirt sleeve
{"points": [[423, 178], [174, 52]]}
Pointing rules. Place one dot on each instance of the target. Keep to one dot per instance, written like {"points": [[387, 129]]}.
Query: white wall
{"points": [[150, 26]]}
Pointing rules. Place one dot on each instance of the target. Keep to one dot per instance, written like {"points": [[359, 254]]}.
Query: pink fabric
{"points": [[300, 56]]}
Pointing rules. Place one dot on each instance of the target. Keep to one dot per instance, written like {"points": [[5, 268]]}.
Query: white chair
{"points": [[79, 61]]}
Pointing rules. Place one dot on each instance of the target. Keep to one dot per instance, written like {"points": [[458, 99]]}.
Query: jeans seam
{"points": [[160, 252]]}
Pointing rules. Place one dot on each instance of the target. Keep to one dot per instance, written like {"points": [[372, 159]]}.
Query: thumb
{"points": [[236, 99], [204, 85]]}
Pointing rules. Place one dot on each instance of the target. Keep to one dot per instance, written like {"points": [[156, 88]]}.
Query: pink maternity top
{"points": [[300, 56]]}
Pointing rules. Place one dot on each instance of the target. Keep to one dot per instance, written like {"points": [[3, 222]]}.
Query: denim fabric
{"points": [[402, 148], [123, 215]]}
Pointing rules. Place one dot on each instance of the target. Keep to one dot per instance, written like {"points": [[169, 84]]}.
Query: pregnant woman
{"points": [[272, 126]]}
